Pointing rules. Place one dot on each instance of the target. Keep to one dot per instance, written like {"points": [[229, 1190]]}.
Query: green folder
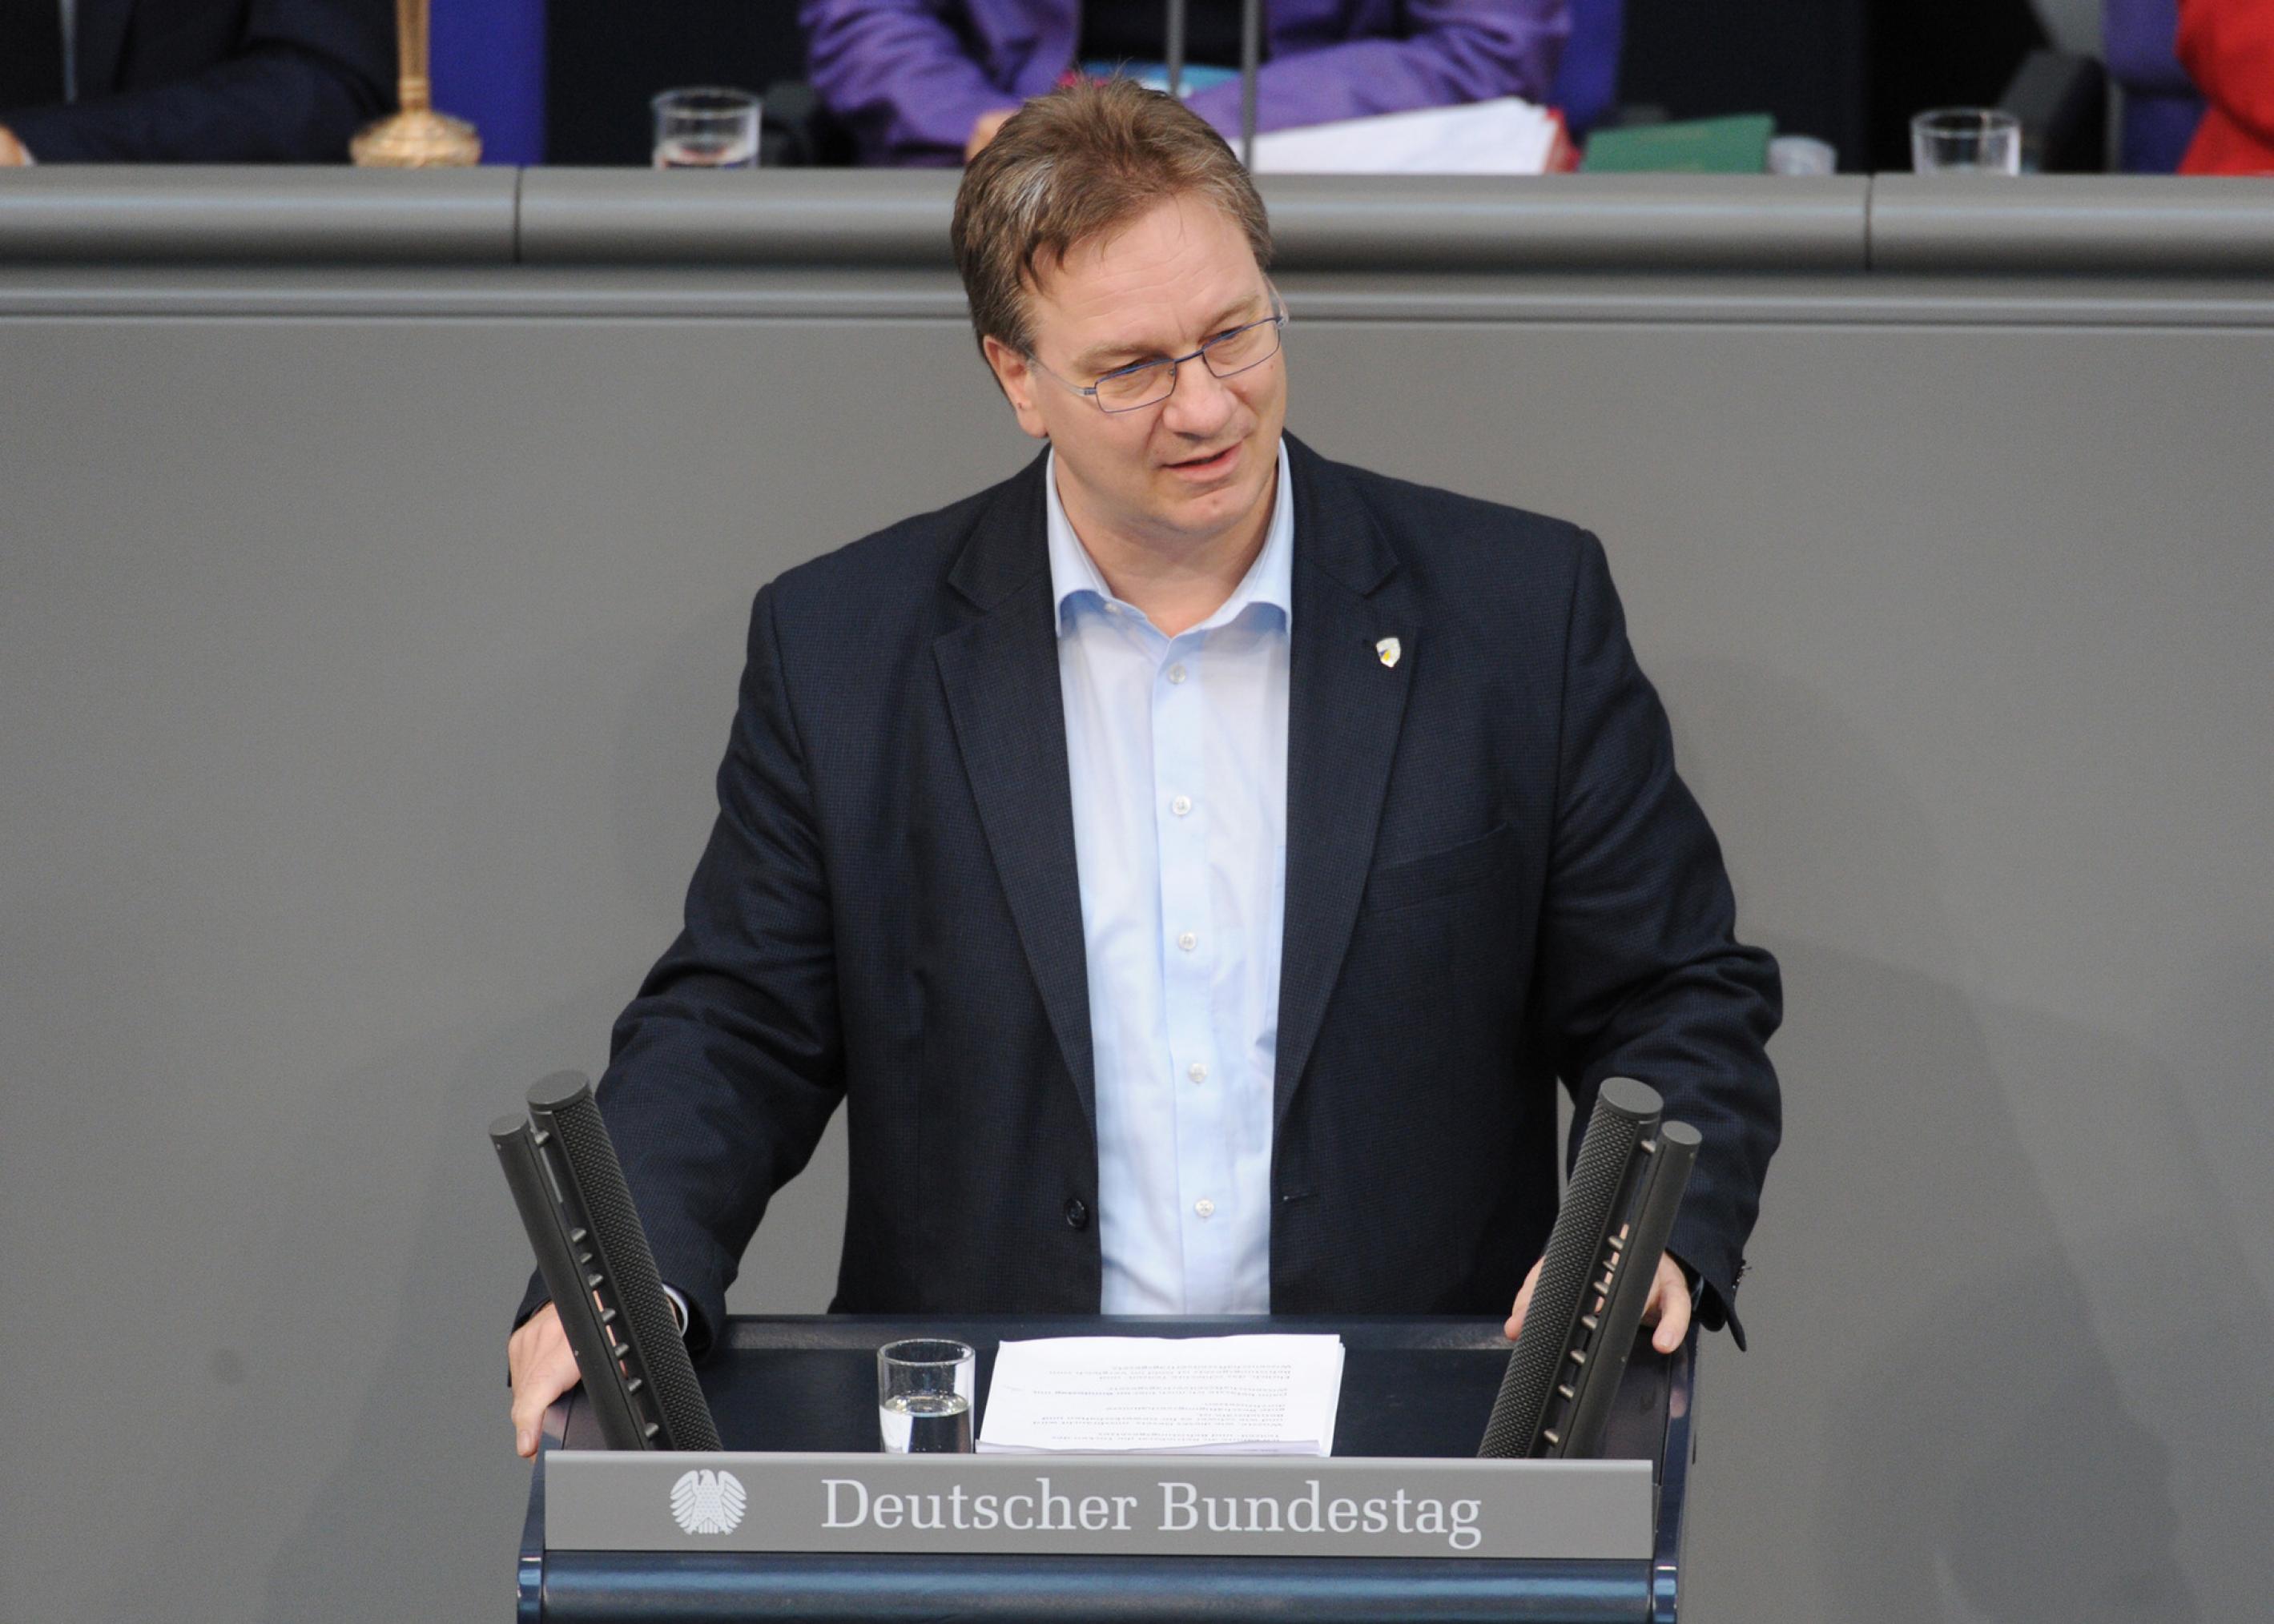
{"points": [[1735, 145]]}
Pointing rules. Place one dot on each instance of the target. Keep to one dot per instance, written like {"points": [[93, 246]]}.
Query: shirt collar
{"points": [[1075, 578]]}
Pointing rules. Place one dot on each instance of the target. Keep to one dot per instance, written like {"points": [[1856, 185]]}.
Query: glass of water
{"points": [[1966, 140], [924, 1390], [709, 127]]}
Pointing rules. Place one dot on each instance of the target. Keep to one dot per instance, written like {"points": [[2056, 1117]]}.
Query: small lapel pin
{"points": [[1388, 649]]}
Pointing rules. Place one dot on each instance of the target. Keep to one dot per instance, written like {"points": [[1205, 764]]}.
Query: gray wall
{"points": [[367, 639]]}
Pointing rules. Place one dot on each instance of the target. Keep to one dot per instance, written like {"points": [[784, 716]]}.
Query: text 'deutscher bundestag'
{"points": [[1097, 1505]]}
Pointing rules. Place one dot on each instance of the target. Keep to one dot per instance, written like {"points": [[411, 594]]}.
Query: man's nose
{"points": [[1198, 402]]}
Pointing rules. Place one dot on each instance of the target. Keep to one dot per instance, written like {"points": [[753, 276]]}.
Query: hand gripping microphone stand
{"points": [[595, 1260], [1594, 1282]]}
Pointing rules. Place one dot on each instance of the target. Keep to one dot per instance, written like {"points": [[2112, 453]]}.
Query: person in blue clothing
{"points": [[1193, 864]]}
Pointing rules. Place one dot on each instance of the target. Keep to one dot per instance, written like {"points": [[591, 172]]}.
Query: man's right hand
{"points": [[544, 1367]]}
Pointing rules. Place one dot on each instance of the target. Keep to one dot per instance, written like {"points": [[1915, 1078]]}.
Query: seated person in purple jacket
{"points": [[929, 81]]}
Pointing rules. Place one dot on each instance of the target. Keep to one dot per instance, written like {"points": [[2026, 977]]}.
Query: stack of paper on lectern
{"points": [[1161, 1396], [1505, 136]]}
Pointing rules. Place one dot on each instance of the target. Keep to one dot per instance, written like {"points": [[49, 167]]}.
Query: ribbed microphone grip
{"points": [[1625, 1111], [572, 1113]]}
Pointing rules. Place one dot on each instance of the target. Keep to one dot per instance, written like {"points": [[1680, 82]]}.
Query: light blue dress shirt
{"points": [[1176, 751]]}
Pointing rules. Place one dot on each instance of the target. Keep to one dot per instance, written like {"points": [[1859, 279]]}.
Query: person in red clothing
{"points": [[2228, 48]]}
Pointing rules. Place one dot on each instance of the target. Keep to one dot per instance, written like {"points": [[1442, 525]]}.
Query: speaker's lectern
{"points": [[1574, 1540]]}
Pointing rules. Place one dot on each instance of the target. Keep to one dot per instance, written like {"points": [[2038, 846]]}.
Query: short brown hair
{"points": [[1068, 166]]}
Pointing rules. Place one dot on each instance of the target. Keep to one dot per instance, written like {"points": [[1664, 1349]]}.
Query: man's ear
{"points": [[1017, 379]]}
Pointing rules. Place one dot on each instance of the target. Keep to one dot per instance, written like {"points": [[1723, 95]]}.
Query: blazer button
{"points": [[1077, 1213]]}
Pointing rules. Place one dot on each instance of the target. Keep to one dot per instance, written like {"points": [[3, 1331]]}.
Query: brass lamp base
{"points": [[418, 140]]}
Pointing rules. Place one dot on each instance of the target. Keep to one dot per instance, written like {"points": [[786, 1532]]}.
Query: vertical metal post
{"points": [[1176, 43], [1251, 53]]}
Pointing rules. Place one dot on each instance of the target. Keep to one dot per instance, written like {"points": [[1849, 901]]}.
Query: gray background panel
{"points": [[2185, 224], [361, 680], [1695, 223], [632, 216], [2058, 225], [110, 213]]}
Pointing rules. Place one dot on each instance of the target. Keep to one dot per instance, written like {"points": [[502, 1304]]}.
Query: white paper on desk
{"points": [[1505, 136], [1262, 1394]]}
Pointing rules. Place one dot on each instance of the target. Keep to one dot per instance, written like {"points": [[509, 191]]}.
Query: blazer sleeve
{"points": [[899, 76], [1641, 973], [726, 1067], [1453, 51], [306, 75]]}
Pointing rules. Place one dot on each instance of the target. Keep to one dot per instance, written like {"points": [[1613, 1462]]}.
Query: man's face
{"points": [[1197, 465]]}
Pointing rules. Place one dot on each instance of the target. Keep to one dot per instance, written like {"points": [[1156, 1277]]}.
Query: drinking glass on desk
{"points": [[924, 1390], [1966, 140], [711, 127]]}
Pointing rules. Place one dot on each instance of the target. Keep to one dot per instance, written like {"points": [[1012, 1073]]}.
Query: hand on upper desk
{"points": [[1669, 1308], [13, 154], [544, 1367]]}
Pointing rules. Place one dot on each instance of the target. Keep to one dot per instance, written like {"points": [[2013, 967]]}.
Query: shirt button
{"points": [[1176, 674], [1205, 1207], [1188, 941], [1077, 1213], [1181, 805], [1197, 1071]]}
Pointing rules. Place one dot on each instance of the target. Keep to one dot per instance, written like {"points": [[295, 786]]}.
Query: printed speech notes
{"points": [[1264, 1395]]}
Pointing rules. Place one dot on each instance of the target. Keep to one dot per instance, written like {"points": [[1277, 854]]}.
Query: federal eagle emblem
{"points": [[707, 1502]]}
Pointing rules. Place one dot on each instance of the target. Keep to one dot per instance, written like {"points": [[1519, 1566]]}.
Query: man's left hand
{"points": [[1669, 1308], [13, 154]]}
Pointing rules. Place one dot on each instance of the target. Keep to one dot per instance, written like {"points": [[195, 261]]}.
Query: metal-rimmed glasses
{"points": [[1148, 383]]}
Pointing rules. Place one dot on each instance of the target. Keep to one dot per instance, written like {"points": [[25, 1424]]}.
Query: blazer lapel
{"points": [[100, 26], [1000, 673], [1345, 703]]}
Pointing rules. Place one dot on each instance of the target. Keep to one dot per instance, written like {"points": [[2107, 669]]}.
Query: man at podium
{"points": [[1192, 863]]}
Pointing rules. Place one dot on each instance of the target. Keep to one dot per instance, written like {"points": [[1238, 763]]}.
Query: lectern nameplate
{"points": [[1098, 1505]]}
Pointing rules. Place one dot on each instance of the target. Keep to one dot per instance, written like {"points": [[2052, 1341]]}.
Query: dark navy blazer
{"points": [[1494, 879], [218, 81]]}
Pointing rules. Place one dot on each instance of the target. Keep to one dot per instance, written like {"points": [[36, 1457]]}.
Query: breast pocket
{"points": [[1445, 872]]}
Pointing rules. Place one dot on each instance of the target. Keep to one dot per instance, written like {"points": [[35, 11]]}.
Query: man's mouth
{"points": [[1215, 462]]}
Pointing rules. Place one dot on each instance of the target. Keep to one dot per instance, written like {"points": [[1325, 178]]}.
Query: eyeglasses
{"points": [[1148, 383]]}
